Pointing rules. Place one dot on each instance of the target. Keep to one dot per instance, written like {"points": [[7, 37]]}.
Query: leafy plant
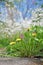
{"points": [[30, 45]]}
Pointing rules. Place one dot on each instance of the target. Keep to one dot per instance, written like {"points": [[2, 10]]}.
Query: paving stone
{"points": [[19, 61]]}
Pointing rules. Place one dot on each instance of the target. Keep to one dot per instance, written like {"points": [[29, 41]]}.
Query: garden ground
{"points": [[21, 48], [19, 61]]}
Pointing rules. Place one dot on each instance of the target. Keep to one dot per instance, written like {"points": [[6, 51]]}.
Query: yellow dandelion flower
{"points": [[18, 39], [33, 34], [11, 43]]}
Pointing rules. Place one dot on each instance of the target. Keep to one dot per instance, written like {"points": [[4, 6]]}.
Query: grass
{"points": [[25, 44]]}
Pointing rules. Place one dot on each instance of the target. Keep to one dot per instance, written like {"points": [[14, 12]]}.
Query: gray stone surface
{"points": [[19, 61]]}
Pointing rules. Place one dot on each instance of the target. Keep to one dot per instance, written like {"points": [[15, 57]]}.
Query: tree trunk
{"points": [[10, 13]]}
